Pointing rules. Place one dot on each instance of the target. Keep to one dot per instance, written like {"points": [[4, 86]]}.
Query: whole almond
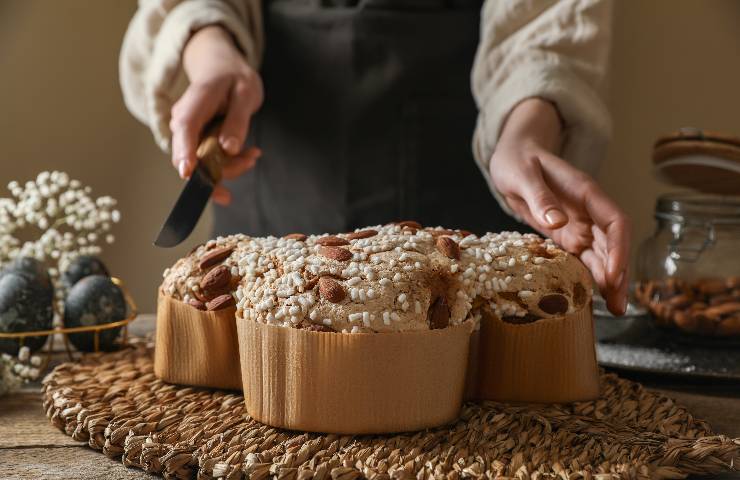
{"points": [[722, 310], [696, 306], [720, 299], [331, 290], [448, 247], [437, 232], [332, 241], [409, 224], [295, 236], [215, 280], [711, 286], [554, 304], [729, 326], [362, 234], [197, 304], [335, 253], [685, 321], [439, 314], [222, 301], [680, 301], [215, 256]]}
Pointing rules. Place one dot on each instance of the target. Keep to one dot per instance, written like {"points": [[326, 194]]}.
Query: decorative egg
{"points": [[81, 267], [37, 273], [94, 300], [25, 305], [31, 268]]}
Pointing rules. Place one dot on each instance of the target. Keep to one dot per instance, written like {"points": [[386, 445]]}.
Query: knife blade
{"points": [[194, 196]]}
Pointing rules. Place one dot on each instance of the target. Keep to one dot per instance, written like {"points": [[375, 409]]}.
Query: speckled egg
{"points": [[94, 300], [81, 267], [36, 272], [25, 305], [31, 268]]}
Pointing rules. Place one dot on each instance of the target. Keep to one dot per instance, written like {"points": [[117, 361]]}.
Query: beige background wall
{"points": [[674, 63]]}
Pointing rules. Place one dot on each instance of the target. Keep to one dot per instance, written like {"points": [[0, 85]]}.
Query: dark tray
{"points": [[635, 344]]}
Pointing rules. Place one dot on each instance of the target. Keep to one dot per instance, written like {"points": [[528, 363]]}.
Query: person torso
{"points": [[367, 119]]}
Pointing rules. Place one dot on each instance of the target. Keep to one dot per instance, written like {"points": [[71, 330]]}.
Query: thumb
{"points": [[543, 204]]}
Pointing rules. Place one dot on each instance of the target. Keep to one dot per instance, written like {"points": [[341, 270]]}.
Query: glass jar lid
{"points": [[702, 160]]}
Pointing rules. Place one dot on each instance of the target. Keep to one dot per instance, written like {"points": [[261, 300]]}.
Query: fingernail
{"points": [[624, 305], [182, 168], [231, 145], [555, 217]]}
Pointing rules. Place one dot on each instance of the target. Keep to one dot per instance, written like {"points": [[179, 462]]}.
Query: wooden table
{"points": [[30, 448]]}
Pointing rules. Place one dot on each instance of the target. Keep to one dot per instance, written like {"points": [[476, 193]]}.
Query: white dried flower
{"points": [[72, 222], [9, 381], [24, 354]]}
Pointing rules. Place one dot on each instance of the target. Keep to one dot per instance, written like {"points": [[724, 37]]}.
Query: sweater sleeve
{"points": [[553, 49], [150, 66]]}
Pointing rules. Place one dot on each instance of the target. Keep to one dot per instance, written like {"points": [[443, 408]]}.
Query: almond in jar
{"points": [[689, 269]]}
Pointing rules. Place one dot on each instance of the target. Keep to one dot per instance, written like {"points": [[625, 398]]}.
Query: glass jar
{"points": [[688, 271]]}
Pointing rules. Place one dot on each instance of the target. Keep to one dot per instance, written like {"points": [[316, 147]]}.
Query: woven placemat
{"points": [[116, 404]]}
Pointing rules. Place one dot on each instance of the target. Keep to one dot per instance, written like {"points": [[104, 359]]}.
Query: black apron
{"points": [[368, 118]]}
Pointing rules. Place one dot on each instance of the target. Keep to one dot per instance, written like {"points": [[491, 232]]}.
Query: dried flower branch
{"points": [[16, 371], [72, 222]]}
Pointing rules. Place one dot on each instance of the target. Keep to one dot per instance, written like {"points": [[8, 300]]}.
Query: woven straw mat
{"points": [[115, 403]]}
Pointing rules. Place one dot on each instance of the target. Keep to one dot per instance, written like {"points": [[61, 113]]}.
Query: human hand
{"points": [[559, 200], [221, 82]]}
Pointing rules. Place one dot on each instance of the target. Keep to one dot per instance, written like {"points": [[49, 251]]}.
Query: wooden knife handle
{"points": [[210, 154]]}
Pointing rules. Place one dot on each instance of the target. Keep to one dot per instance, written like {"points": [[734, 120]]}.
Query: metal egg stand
{"points": [[48, 350]]}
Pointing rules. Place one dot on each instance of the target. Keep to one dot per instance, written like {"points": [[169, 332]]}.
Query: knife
{"points": [[194, 196]]}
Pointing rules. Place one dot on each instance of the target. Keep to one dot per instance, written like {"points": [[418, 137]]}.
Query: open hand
{"points": [[561, 201]]}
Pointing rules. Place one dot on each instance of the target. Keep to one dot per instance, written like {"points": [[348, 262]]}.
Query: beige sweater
{"points": [[555, 49]]}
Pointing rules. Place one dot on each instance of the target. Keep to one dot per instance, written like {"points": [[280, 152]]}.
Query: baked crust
{"points": [[388, 278]]}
